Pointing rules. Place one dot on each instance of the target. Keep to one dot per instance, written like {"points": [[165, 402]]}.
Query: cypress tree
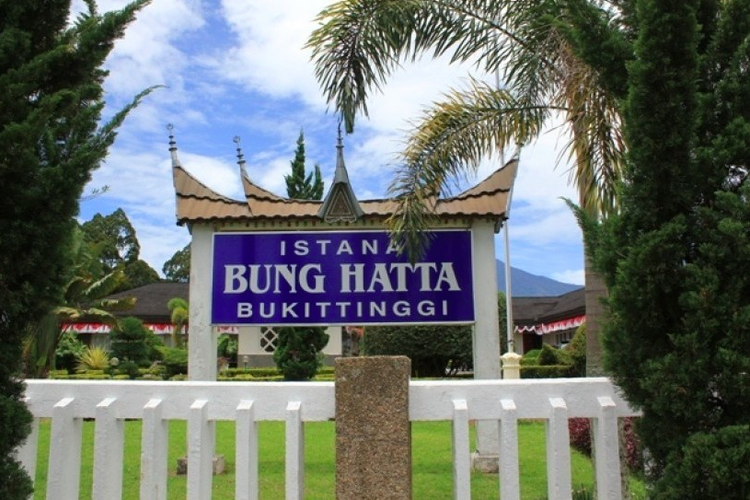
{"points": [[298, 185], [298, 350], [50, 141], [676, 257]]}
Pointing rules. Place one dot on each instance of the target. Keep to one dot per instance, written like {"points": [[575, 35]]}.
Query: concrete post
{"points": [[486, 335], [201, 340]]}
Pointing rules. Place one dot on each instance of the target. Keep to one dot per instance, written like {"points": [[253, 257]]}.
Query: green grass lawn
{"points": [[431, 462]]}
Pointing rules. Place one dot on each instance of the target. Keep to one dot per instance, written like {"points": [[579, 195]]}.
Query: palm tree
{"points": [[543, 52], [179, 311], [84, 299]]}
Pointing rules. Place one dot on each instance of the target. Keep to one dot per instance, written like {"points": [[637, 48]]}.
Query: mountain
{"points": [[526, 284]]}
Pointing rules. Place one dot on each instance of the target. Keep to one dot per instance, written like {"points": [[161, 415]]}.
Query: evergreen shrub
{"points": [[298, 351], [434, 350], [69, 349], [709, 465], [129, 339], [546, 371], [175, 361]]}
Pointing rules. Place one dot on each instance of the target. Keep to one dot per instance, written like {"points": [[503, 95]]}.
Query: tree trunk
{"points": [[596, 290]]}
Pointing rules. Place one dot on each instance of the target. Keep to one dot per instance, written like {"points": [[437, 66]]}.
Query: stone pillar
{"points": [[373, 433]]}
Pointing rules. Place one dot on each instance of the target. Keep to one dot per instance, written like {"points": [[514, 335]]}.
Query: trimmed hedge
{"points": [[548, 371]]}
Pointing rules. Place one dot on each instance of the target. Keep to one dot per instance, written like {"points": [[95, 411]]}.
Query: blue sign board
{"points": [[329, 278]]}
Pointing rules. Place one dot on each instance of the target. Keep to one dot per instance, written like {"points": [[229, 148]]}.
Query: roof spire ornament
{"points": [[173, 146], [240, 156], [340, 204]]}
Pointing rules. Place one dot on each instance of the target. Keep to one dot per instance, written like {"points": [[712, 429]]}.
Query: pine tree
{"points": [[50, 141], [298, 185], [298, 351], [676, 258]]}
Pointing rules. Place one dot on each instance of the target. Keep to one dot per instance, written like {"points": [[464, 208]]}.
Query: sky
{"points": [[239, 68]]}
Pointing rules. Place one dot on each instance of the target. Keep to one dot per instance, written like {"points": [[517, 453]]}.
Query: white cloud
{"points": [[268, 56], [149, 53], [573, 276]]}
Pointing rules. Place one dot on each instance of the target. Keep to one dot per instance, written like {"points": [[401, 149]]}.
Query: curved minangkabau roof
{"points": [[198, 203]]}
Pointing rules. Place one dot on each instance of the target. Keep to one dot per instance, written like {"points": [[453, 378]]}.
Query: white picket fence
{"points": [[201, 404]]}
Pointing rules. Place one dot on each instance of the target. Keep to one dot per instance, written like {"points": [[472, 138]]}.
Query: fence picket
{"points": [[461, 457], [154, 452], [607, 452], [65, 451], [201, 440], [108, 451], [510, 486], [558, 451], [246, 436], [295, 459]]}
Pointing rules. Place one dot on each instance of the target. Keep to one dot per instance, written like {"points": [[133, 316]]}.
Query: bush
{"points": [[93, 358], [298, 351], [576, 350], [154, 343], [547, 371], [552, 356], [434, 350], [129, 339], [709, 465], [580, 434], [227, 348], [68, 350], [128, 368], [175, 361]]}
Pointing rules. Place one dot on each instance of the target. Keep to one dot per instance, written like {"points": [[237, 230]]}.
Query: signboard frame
{"points": [[235, 280]]}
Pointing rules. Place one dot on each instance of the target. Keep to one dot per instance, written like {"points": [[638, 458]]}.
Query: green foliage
{"points": [[154, 343], [127, 369], [298, 351], [710, 465], [83, 299], [546, 371], [434, 350], [69, 349], [177, 268], [175, 361], [676, 257], [298, 185], [139, 273], [93, 358], [226, 347], [179, 316], [115, 238], [576, 351], [550, 355], [129, 339], [116, 245]]}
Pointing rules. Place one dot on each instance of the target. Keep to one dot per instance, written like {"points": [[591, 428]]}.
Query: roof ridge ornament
{"points": [[340, 204], [240, 157], [173, 146]]}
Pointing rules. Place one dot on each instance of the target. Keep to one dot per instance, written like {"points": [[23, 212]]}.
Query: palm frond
{"points": [[451, 140], [596, 146], [116, 305], [104, 286]]}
